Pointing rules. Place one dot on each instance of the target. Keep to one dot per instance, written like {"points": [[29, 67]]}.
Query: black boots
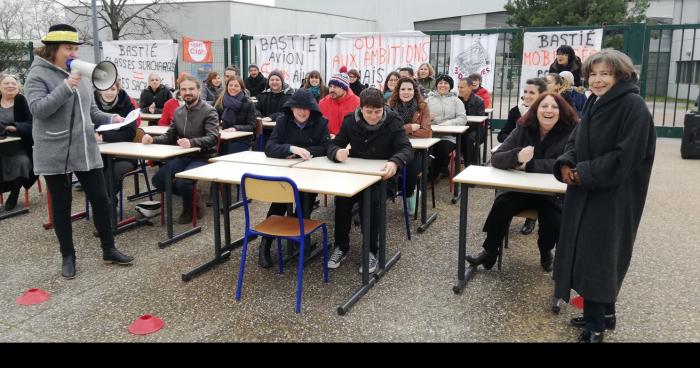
{"points": [[484, 258], [546, 260], [590, 337], [528, 226], [112, 255], [68, 267], [264, 258], [610, 322], [11, 202]]}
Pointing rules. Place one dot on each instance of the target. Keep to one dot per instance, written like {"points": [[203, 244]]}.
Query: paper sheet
{"points": [[130, 118]]}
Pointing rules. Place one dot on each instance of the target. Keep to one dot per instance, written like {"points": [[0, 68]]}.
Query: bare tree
{"points": [[124, 18], [10, 17]]}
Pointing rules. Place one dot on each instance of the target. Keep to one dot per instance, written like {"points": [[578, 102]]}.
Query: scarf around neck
{"points": [[406, 110], [232, 104]]}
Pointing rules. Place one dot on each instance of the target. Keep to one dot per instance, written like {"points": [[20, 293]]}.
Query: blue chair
{"points": [[279, 190]]}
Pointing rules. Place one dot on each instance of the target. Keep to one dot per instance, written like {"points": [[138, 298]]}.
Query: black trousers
{"points": [[594, 314], [508, 205], [343, 219], [441, 152], [412, 170], [121, 167], [470, 152], [280, 209], [61, 190]]}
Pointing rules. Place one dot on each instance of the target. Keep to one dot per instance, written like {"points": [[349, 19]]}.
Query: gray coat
{"points": [[449, 110], [613, 151], [51, 103]]}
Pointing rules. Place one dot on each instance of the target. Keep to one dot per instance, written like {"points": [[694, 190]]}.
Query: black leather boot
{"points": [[610, 322], [484, 258], [591, 337], [528, 226], [546, 260], [112, 255], [264, 258], [68, 267]]}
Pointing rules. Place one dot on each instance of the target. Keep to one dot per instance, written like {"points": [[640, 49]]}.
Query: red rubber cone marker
{"points": [[145, 325], [33, 296], [577, 302]]}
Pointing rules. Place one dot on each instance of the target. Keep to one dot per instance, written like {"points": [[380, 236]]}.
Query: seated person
{"points": [[533, 146], [373, 132], [302, 132], [212, 88], [237, 113], [154, 96], [473, 106], [16, 169], [195, 125], [256, 82], [115, 101], [413, 111], [480, 90], [339, 102], [446, 109], [532, 90], [314, 83], [271, 100]]}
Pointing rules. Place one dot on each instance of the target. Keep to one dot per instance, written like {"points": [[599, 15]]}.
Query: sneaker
{"points": [[373, 262], [336, 258]]}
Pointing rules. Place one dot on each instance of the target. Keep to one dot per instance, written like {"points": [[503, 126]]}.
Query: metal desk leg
{"points": [[425, 221], [366, 282], [462, 275], [169, 214], [458, 159], [110, 191], [384, 265]]}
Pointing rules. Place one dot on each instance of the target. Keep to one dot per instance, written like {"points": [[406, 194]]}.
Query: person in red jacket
{"points": [[480, 90], [339, 102]]}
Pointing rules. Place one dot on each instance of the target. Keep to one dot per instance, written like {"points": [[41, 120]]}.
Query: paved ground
{"points": [[414, 302]]}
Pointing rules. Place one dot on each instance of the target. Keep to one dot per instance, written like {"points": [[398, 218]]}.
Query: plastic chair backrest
{"points": [[139, 135], [272, 191]]}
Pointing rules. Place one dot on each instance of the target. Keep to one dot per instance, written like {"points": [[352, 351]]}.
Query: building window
{"points": [[688, 72]]}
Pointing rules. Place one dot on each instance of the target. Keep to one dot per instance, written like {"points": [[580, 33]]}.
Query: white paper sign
{"points": [[374, 55], [540, 49], [130, 118], [474, 54], [135, 60], [293, 55]]}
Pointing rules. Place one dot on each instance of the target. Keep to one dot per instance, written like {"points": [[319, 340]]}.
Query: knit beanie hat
{"points": [[275, 73], [340, 79], [446, 78]]}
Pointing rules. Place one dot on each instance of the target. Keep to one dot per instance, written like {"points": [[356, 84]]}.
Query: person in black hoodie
{"points": [[154, 96], [16, 160], [302, 132], [237, 113], [115, 100], [373, 132], [271, 100], [256, 82], [533, 147], [567, 60], [355, 85]]}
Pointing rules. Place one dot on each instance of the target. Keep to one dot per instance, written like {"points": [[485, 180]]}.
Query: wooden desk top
{"points": [[490, 177], [311, 181], [154, 129], [488, 111], [144, 151], [227, 136], [352, 165], [151, 117], [256, 158], [10, 139], [473, 119], [423, 143], [449, 129]]}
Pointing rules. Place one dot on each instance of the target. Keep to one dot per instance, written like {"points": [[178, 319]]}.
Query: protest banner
{"points": [[135, 60], [474, 54], [375, 55], [293, 55]]}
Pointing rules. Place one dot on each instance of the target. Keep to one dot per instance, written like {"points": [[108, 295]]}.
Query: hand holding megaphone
{"points": [[73, 80], [103, 75]]}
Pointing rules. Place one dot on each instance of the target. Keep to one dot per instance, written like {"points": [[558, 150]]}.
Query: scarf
{"points": [[315, 90], [232, 104], [108, 106], [406, 110]]}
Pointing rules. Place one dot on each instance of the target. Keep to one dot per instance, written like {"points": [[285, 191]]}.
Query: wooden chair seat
{"points": [[282, 226]]}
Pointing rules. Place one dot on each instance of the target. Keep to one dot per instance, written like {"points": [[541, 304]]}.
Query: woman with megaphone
{"points": [[64, 110]]}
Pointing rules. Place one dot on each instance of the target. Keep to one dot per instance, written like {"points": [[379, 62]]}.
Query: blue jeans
{"points": [[234, 146], [182, 187]]}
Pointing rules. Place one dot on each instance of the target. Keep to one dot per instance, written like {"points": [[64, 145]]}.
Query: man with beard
{"points": [[194, 125], [255, 82], [339, 102]]}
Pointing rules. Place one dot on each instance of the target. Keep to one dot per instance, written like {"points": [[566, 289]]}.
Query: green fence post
{"points": [[225, 53], [236, 51], [633, 42]]}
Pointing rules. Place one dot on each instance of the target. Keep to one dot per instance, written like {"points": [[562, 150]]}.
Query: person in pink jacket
{"points": [[339, 102]]}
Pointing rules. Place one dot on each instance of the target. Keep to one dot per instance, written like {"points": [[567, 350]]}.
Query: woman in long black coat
{"points": [[606, 164]]}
